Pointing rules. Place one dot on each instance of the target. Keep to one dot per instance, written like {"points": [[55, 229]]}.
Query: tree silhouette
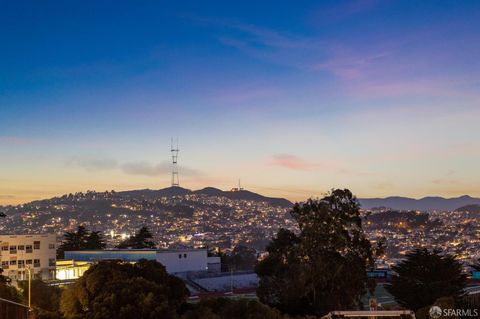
{"points": [[45, 298], [222, 308], [425, 276], [82, 239], [324, 266], [140, 240], [241, 258], [113, 289]]}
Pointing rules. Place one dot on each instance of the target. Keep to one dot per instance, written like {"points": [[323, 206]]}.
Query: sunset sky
{"points": [[382, 97]]}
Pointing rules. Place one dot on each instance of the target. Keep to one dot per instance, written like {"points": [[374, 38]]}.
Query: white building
{"points": [[21, 252], [175, 261]]}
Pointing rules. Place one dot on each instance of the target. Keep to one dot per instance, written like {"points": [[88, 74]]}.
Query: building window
{"points": [[21, 247], [21, 264], [51, 246], [5, 247], [36, 263], [36, 245], [179, 256], [13, 262], [184, 255], [13, 249], [28, 249], [51, 262], [28, 261], [4, 264]]}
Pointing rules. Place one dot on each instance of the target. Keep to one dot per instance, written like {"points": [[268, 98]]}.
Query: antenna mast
{"points": [[174, 150]]}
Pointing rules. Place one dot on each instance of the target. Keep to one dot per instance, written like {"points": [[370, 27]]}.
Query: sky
{"points": [[292, 97]]}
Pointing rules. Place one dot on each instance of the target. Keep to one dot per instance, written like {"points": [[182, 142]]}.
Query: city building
{"points": [[176, 261], [21, 253], [70, 269]]}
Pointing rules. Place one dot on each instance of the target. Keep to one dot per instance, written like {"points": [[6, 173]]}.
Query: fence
{"points": [[12, 310]]}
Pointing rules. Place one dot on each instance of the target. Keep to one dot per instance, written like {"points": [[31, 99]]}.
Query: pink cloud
{"points": [[297, 163]]}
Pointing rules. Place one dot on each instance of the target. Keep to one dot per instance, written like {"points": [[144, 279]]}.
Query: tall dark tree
{"points": [[45, 299], [141, 240], [324, 266], [241, 258], [425, 276], [95, 240], [82, 239], [113, 289]]}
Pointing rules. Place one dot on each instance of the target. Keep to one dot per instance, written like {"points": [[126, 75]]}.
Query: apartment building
{"points": [[18, 253]]}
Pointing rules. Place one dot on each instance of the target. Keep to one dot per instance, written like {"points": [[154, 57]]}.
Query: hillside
{"points": [[423, 204]]}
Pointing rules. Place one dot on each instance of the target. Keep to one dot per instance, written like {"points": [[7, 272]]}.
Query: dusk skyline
{"points": [[381, 97]]}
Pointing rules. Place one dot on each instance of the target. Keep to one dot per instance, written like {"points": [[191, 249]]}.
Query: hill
{"points": [[423, 204], [469, 208], [208, 191]]}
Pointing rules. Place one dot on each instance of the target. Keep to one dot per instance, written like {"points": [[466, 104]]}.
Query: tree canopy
{"points": [[241, 258], [324, 266], [113, 289], [141, 240], [45, 298], [82, 239], [222, 308], [425, 276]]}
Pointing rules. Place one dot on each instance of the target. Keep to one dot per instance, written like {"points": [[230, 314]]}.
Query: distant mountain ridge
{"points": [[424, 204], [208, 191]]}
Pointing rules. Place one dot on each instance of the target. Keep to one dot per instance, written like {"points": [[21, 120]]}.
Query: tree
{"points": [[425, 276], [82, 239], [95, 240], [113, 289], [6, 291], [45, 298], [241, 258], [324, 266], [222, 308], [140, 240]]}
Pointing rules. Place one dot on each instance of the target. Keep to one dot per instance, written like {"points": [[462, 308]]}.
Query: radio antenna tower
{"points": [[174, 150]]}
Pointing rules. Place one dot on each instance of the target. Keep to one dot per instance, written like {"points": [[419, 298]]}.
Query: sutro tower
{"points": [[174, 151]]}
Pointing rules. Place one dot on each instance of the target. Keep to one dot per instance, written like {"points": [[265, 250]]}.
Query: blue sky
{"points": [[293, 98]]}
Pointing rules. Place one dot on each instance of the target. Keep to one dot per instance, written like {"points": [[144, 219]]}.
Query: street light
{"points": [[29, 286]]}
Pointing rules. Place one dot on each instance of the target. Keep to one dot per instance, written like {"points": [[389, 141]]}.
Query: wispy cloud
{"points": [[132, 168], [93, 164], [149, 169]]}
